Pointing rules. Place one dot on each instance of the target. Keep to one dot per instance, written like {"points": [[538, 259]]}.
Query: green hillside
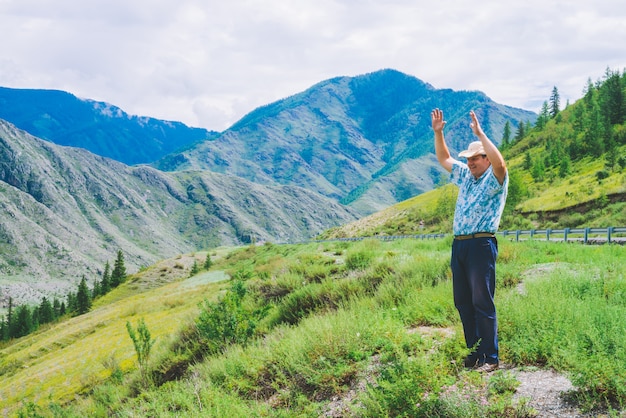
{"points": [[351, 329], [573, 162]]}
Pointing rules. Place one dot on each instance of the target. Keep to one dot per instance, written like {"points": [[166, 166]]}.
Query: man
{"points": [[483, 184]]}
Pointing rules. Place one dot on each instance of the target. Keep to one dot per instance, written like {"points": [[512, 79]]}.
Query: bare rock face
{"points": [[65, 212]]}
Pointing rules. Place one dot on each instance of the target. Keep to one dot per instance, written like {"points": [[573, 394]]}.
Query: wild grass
{"points": [[62, 361], [569, 317], [352, 329]]}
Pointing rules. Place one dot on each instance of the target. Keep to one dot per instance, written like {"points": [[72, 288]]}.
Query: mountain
{"points": [[99, 127], [567, 171], [365, 141], [66, 211]]}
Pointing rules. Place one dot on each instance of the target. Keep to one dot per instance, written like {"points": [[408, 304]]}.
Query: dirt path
{"points": [[544, 389]]}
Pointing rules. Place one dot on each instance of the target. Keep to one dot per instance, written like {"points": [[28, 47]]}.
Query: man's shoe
{"points": [[470, 361], [486, 367]]}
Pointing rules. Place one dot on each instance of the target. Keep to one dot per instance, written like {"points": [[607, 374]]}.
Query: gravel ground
{"points": [[544, 390]]}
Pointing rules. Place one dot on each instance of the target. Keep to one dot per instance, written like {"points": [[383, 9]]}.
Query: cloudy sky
{"points": [[209, 62]]}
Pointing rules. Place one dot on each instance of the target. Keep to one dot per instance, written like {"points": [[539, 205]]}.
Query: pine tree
{"points": [[3, 329], [593, 136], [97, 290], [520, 132], [544, 116], [565, 168], [612, 99], [23, 323], [83, 298], [71, 305], [506, 140], [589, 92], [528, 161], [194, 269], [538, 170], [577, 119], [555, 102], [105, 283], [118, 276], [45, 311], [611, 155]]}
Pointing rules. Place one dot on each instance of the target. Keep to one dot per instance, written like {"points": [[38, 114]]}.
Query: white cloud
{"points": [[209, 63]]}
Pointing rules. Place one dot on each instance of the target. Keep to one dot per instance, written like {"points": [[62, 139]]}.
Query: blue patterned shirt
{"points": [[481, 201]]}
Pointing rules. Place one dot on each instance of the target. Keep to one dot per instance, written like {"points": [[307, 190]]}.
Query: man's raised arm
{"points": [[495, 157], [441, 149]]}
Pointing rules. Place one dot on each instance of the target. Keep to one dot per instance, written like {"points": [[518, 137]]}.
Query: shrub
{"points": [[143, 344], [316, 297], [361, 256], [207, 262], [272, 290], [227, 321], [602, 174]]}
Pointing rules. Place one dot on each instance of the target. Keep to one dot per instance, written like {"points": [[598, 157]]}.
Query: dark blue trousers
{"points": [[473, 265]]}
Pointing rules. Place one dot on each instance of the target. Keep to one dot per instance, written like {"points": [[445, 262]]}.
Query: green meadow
{"points": [[353, 329]]}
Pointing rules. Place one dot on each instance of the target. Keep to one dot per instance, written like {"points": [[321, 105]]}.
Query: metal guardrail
{"points": [[610, 235]]}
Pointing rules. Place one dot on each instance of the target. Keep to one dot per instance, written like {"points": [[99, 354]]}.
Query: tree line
{"points": [[22, 320], [594, 126]]}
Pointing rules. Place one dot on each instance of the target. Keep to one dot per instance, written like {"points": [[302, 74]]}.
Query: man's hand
{"points": [[437, 120], [478, 131]]}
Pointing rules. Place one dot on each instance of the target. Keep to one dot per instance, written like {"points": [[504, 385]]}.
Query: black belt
{"points": [[476, 235]]}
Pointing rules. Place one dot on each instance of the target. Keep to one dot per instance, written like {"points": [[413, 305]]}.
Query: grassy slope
{"points": [[62, 360], [582, 186], [369, 303]]}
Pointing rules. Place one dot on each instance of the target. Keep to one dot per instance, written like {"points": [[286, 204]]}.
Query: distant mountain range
{"points": [[346, 147], [99, 127], [364, 141]]}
